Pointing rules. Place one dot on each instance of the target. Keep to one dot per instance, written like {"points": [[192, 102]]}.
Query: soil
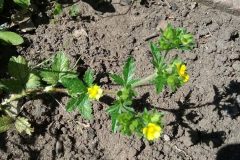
{"points": [[202, 119]]}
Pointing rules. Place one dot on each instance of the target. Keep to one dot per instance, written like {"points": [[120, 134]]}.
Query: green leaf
{"points": [[6, 123], [74, 86], [74, 10], [60, 69], [1, 5], [10, 38], [33, 81], [85, 108], [23, 3], [160, 82], [117, 79], [128, 70], [114, 112], [157, 58], [88, 77], [57, 9], [22, 125], [18, 68], [11, 85], [72, 104], [83, 104]]}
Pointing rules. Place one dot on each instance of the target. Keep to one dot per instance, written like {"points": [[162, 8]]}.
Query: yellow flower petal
{"points": [[152, 131], [95, 92]]}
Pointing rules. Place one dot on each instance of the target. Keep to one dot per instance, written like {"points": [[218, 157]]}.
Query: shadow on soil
{"points": [[229, 152], [226, 103]]}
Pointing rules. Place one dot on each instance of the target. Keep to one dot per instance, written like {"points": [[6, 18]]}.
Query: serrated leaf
{"points": [[85, 108], [11, 38], [22, 125], [128, 70], [114, 112], [117, 79], [88, 77], [60, 69], [5, 123], [74, 85], [33, 81], [160, 82], [72, 104], [83, 104], [18, 68]]}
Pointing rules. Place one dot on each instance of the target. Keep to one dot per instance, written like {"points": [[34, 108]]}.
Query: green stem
{"points": [[145, 80], [28, 92]]}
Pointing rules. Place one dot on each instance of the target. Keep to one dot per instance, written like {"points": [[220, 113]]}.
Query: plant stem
{"points": [[28, 92], [145, 80]]}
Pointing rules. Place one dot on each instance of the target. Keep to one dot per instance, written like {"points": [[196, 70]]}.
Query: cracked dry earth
{"points": [[202, 118]]}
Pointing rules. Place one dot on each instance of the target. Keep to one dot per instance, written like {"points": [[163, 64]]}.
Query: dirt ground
{"points": [[202, 118]]}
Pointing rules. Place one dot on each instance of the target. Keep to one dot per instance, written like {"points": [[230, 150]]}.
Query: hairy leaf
{"points": [[72, 104], [22, 125], [160, 82], [117, 79], [82, 103], [10, 38], [33, 81], [88, 77], [5, 123], [18, 68], [74, 86], [85, 108], [114, 112], [60, 69], [128, 70]]}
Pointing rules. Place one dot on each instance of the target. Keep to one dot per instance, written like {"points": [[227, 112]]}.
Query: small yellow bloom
{"points": [[182, 72], [152, 131], [95, 92]]}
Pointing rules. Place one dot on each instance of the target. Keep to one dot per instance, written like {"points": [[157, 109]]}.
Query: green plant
{"points": [[11, 38], [24, 4], [74, 10], [59, 76]]}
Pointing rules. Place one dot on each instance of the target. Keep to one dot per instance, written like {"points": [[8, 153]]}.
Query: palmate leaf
{"points": [[10, 38], [6, 123], [83, 104], [60, 69], [88, 77], [74, 86]]}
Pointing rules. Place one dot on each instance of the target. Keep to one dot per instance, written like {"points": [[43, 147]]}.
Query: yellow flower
{"points": [[182, 72], [152, 131], [95, 92]]}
